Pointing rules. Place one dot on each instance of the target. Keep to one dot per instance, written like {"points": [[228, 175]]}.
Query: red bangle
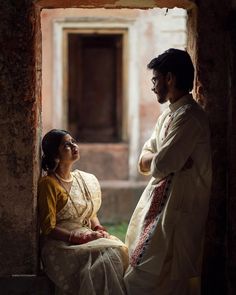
{"points": [[99, 227]]}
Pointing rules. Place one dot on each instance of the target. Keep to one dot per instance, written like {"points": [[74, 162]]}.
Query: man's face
{"points": [[160, 86]]}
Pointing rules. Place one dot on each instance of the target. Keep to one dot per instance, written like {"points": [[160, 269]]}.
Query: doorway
{"points": [[94, 87]]}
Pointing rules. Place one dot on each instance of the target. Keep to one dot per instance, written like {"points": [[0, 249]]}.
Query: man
{"points": [[166, 230]]}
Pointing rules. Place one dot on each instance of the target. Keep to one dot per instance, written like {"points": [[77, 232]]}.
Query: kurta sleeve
{"points": [[149, 147], [177, 147], [47, 200]]}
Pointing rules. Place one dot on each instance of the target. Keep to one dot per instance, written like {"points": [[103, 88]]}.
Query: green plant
{"points": [[117, 229]]}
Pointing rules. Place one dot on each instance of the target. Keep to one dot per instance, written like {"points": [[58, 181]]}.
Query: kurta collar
{"points": [[180, 102]]}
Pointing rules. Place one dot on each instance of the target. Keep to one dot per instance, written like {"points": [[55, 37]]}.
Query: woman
{"points": [[79, 256]]}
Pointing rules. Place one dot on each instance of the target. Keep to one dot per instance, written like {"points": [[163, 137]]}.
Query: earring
{"points": [[57, 161]]}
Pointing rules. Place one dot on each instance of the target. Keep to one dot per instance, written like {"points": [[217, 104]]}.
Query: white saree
{"points": [[96, 267]]}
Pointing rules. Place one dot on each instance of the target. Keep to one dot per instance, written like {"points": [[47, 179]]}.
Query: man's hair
{"points": [[179, 63]]}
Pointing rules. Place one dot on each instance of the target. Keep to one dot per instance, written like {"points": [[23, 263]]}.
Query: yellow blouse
{"points": [[51, 199]]}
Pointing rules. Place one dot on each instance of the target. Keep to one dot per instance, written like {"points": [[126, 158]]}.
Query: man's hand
{"points": [[146, 161]]}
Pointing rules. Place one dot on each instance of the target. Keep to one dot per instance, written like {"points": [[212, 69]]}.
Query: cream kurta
{"points": [[96, 267], [181, 132]]}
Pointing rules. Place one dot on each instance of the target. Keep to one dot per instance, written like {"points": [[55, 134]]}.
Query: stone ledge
{"points": [[26, 285]]}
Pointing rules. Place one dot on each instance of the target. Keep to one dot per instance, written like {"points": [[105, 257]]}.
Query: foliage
{"points": [[117, 229]]}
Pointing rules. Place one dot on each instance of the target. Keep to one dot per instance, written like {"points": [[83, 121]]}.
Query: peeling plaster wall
{"points": [[20, 107]]}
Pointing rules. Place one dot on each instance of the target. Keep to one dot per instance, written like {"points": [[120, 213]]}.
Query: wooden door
{"points": [[95, 87]]}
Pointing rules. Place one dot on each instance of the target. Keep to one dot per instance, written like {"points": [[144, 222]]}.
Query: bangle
{"points": [[70, 237], [99, 227]]}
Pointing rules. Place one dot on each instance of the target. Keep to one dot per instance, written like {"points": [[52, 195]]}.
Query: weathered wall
{"points": [[231, 204], [19, 146], [212, 60]]}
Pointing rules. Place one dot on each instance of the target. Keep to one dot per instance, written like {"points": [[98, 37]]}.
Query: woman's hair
{"points": [[50, 145], [179, 63]]}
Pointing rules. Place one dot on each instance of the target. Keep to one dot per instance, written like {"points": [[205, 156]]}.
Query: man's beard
{"points": [[162, 95]]}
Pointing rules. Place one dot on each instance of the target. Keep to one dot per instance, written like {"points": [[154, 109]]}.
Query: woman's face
{"points": [[68, 150]]}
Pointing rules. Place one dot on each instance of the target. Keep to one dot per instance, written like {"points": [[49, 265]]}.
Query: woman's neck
{"points": [[63, 170]]}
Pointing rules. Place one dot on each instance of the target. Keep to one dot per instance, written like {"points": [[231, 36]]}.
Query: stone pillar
{"points": [[231, 208], [213, 72], [19, 116]]}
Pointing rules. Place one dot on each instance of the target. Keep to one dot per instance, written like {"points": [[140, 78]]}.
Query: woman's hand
{"points": [[78, 238], [101, 229], [104, 233], [97, 227]]}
